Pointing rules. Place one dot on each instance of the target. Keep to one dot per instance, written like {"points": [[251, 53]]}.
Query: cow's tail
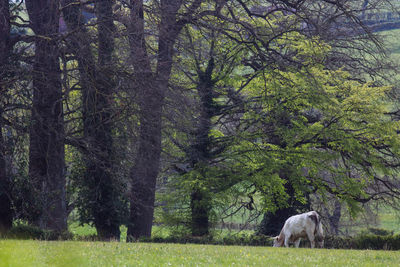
{"points": [[318, 226]]}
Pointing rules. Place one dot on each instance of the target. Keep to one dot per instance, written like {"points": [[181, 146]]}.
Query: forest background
{"points": [[197, 115]]}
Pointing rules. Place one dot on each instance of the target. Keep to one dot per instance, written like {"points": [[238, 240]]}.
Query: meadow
{"points": [[72, 253]]}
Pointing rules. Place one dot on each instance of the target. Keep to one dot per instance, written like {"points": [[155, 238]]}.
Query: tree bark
{"points": [[200, 151], [46, 151], [97, 112], [97, 87], [272, 223], [334, 219], [6, 214], [5, 50], [152, 89], [200, 209]]}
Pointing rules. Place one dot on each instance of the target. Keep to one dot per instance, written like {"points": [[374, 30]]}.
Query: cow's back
{"points": [[295, 226]]}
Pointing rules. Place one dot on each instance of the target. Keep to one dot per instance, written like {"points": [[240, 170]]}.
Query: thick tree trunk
{"points": [[4, 30], [46, 151], [200, 208], [5, 198], [334, 219], [145, 171], [5, 49], [152, 89], [272, 223], [97, 88], [98, 129]]}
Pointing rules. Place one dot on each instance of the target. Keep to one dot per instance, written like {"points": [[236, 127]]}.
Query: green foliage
{"points": [[241, 239], [369, 241], [364, 240], [361, 241], [379, 231], [24, 231], [82, 231], [82, 191], [327, 128], [339, 151]]}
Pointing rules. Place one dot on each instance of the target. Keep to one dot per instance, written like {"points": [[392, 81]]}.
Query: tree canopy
{"points": [[119, 109]]}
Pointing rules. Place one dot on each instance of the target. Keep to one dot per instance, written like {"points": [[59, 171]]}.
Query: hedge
{"points": [[361, 241], [372, 239]]}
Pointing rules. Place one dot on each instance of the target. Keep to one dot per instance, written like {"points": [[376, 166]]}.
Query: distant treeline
{"points": [[380, 17], [381, 21]]}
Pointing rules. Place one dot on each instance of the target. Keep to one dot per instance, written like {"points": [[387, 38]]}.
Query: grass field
{"points": [[70, 253]]}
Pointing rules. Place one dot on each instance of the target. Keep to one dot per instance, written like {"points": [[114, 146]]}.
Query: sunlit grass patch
{"points": [[82, 230]]}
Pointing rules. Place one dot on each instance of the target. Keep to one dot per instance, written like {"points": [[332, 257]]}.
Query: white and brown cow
{"points": [[305, 225]]}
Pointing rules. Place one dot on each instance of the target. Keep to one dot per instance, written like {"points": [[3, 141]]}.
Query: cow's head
{"points": [[319, 236], [319, 241], [278, 241]]}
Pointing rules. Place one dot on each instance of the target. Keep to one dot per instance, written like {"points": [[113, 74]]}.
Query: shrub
{"points": [[362, 241], [240, 239], [24, 231], [380, 231], [339, 242], [371, 241]]}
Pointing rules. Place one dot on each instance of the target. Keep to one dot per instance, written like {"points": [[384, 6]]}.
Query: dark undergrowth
{"points": [[376, 239]]}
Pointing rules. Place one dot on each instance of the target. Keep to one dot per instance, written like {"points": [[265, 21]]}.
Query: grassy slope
{"points": [[40, 253], [392, 41], [389, 219]]}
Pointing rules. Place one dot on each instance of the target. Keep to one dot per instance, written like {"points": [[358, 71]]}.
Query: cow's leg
{"points": [[312, 243], [311, 237], [287, 238], [297, 242]]}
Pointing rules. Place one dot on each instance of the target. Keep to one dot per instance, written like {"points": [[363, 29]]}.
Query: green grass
{"points": [[81, 230], [87, 231], [389, 219], [72, 253], [392, 41]]}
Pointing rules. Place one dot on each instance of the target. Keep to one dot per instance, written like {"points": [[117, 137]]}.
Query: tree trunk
{"points": [[5, 49], [200, 153], [97, 87], [200, 208], [145, 171], [46, 151], [97, 112], [272, 223], [5, 198], [152, 89], [334, 219]]}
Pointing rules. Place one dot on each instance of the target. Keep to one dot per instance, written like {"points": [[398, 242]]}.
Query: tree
{"points": [[152, 87], [5, 51], [336, 23], [100, 197], [263, 35], [206, 61], [282, 55], [283, 101], [273, 222], [46, 154], [353, 130]]}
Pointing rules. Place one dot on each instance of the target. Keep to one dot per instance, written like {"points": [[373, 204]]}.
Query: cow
{"points": [[305, 225]]}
